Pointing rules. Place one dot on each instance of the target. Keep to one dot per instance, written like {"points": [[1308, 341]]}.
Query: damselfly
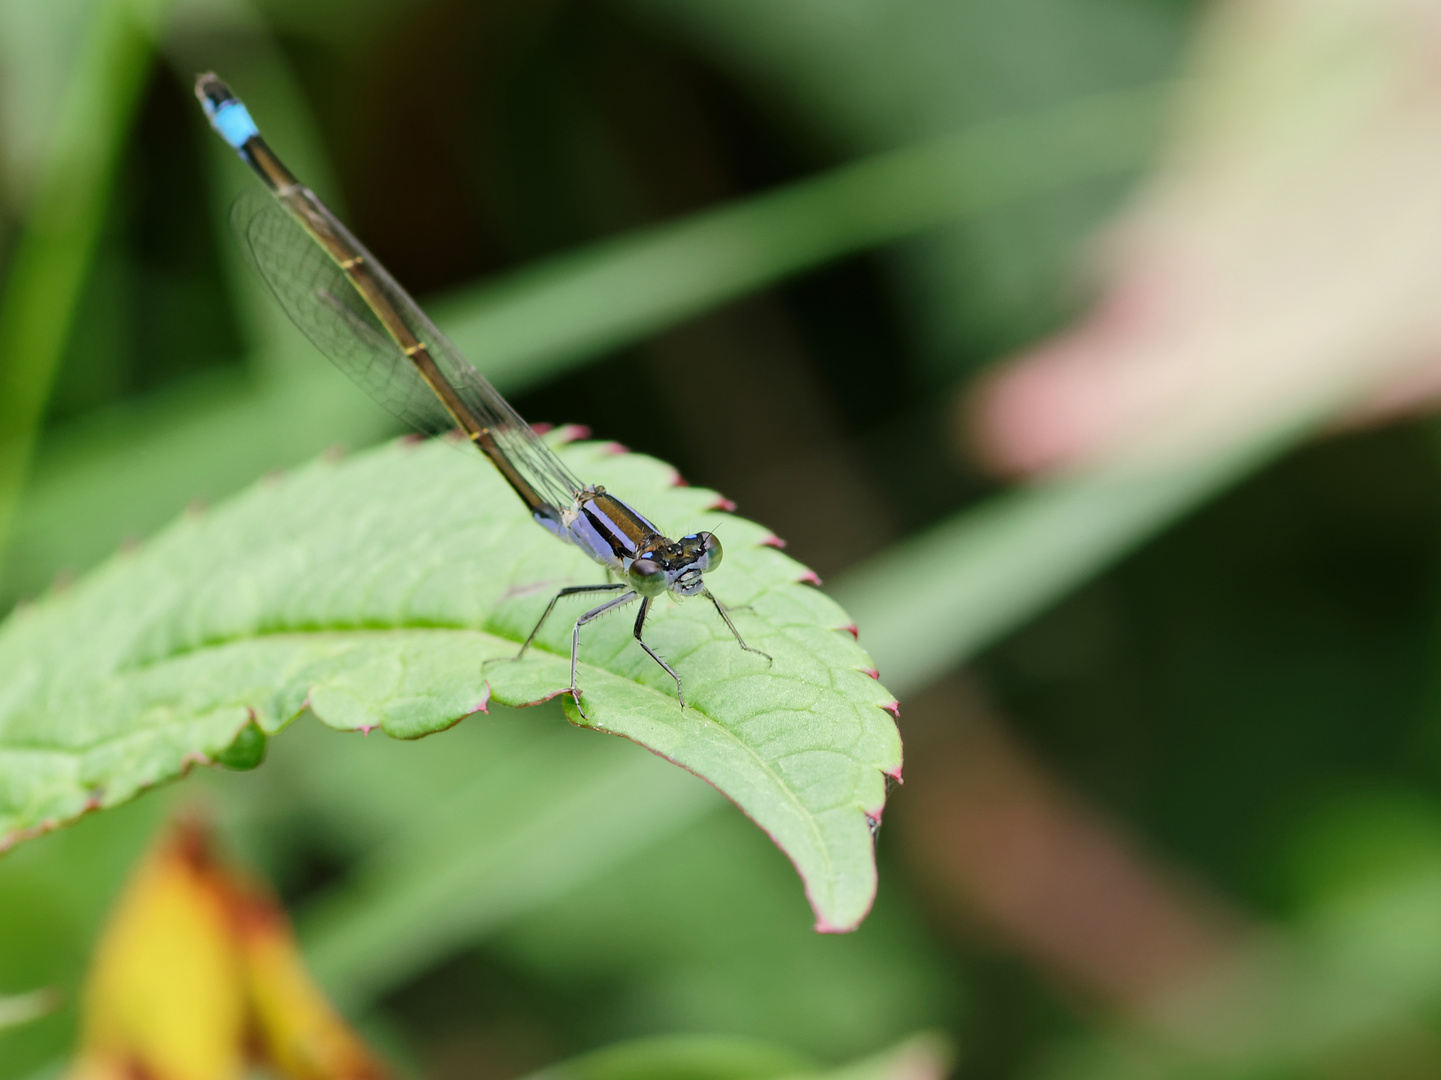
{"points": [[370, 328]]}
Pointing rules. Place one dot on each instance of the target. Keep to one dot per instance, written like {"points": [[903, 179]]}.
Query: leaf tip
{"points": [[850, 628], [894, 708], [809, 577], [772, 541], [870, 672], [409, 440], [569, 433], [825, 926], [723, 504]]}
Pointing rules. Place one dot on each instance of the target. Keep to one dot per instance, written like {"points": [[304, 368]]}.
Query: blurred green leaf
{"points": [[62, 227], [921, 1057], [704, 931], [876, 73], [710, 1057], [40, 46], [373, 594], [682, 1057], [619, 869], [127, 469], [1349, 987], [1349, 992], [580, 862], [535, 815], [54, 893], [871, 74], [18, 1009]]}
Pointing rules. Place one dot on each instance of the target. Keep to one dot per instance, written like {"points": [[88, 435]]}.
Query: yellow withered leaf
{"points": [[198, 977], [299, 1032], [166, 994]]}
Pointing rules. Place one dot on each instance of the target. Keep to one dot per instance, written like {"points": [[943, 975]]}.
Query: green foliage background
{"points": [[766, 241]]}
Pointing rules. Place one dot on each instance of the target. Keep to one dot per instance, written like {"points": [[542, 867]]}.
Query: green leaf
{"points": [[390, 591], [246, 751]]}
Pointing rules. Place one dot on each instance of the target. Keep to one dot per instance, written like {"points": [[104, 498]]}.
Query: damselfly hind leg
{"points": [[570, 590]]}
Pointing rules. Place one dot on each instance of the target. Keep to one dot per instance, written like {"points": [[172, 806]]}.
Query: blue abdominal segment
{"points": [[232, 121]]}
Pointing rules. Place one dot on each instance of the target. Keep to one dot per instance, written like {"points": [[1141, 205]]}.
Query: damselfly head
{"points": [[695, 554], [677, 567], [703, 549]]}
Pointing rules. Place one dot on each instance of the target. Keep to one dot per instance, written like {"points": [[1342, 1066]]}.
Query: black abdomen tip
{"points": [[210, 90]]}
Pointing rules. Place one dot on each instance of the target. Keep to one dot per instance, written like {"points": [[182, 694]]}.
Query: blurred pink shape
{"points": [[1282, 265]]}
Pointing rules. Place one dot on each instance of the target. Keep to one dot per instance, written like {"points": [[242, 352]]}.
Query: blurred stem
{"points": [[933, 601], [62, 229]]}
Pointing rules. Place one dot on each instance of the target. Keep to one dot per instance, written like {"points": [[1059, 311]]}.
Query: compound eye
{"points": [[710, 554], [647, 577]]}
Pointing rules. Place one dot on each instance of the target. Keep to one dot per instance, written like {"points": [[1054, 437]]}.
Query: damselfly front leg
{"points": [[721, 611], [640, 626], [611, 605]]}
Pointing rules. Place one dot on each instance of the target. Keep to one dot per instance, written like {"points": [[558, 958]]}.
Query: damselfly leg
{"points": [[640, 626], [721, 611], [611, 605], [570, 590]]}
